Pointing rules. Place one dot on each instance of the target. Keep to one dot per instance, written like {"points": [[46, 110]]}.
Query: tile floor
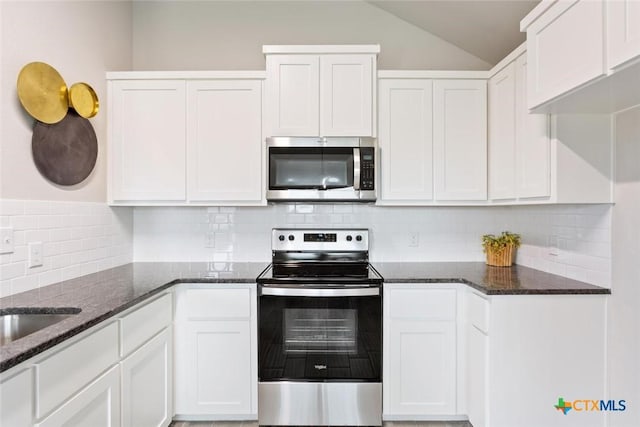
{"points": [[386, 424]]}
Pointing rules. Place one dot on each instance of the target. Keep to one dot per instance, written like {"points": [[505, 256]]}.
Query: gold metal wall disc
{"points": [[84, 100], [43, 92]]}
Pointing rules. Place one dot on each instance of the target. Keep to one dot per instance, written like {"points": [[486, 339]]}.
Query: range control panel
{"points": [[299, 239]]}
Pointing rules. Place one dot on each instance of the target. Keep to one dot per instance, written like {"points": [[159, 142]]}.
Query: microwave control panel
{"points": [[367, 171]]}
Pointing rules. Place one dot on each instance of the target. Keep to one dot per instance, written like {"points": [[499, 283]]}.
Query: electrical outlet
{"points": [[6, 240], [414, 239], [35, 254]]}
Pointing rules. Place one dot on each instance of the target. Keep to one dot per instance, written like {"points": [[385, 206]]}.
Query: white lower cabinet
{"points": [[216, 352], [97, 405], [420, 351], [16, 398], [146, 384], [524, 352]]}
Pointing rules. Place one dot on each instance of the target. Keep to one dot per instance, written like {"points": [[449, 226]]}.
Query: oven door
{"points": [[320, 334]]}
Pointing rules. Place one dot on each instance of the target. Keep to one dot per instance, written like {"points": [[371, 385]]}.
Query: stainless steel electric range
{"points": [[320, 330]]}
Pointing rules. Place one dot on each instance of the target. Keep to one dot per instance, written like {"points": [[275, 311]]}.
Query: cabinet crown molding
{"points": [[318, 49]]}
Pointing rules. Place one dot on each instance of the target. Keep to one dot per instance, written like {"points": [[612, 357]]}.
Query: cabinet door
{"points": [[502, 134], [533, 160], [215, 368], [346, 95], [477, 387], [147, 384], [148, 140], [97, 405], [406, 140], [565, 49], [623, 31], [460, 139], [422, 361], [16, 400], [293, 87], [225, 141]]}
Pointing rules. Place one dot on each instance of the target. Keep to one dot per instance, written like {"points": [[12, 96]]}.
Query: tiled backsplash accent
{"points": [[78, 238], [569, 240]]}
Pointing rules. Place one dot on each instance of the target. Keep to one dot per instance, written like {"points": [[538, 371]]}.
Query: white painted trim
{"points": [[520, 50], [537, 11], [432, 74], [184, 75], [346, 48]]}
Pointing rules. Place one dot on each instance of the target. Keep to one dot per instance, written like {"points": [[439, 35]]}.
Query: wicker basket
{"points": [[502, 257]]}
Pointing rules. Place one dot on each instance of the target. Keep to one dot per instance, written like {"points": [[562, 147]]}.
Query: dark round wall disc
{"points": [[65, 152]]}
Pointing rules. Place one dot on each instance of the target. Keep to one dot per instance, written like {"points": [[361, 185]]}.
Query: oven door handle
{"points": [[302, 292]]}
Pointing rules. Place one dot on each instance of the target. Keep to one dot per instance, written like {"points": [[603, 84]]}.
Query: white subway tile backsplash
{"points": [[446, 233], [78, 237]]}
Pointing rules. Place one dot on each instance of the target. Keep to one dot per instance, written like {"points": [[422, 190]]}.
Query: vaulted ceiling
{"points": [[488, 29]]}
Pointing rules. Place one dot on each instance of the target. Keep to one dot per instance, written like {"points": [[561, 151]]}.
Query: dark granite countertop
{"points": [[104, 294], [515, 280]]}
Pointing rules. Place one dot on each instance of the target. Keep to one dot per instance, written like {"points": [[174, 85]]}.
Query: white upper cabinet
{"points": [[533, 167], [293, 94], [320, 90], [565, 49], [180, 138], [502, 134], [623, 31], [583, 56], [406, 140], [519, 146], [147, 140], [460, 139], [346, 95], [224, 141]]}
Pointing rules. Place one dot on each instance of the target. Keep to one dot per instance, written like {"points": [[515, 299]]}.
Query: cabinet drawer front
{"points": [[479, 312], [63, 374], [431, 304], [208, 304], [142, 324]]}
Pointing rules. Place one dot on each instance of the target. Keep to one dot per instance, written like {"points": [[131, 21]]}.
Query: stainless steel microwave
{"points": [[321, 169]]}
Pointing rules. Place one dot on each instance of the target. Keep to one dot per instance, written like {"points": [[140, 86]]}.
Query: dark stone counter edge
{"points": [[34, 351], [486, 291], [58, 339]]}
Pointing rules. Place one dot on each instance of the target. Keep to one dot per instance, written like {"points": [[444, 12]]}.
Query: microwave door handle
{"points": [[356, 169]]}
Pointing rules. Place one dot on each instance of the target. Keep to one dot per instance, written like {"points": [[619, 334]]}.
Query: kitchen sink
{"points": [[16, 323]]}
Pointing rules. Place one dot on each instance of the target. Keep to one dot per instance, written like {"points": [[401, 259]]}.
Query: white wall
{"points": [[624, 303], [445, 234], [81, 40], [223, 35]]}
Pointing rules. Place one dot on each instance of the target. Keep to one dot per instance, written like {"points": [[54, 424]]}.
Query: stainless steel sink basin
{"points": [[18, 323]]}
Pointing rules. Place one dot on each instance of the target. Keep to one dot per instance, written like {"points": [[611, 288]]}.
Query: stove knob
{"points": [[281, 238], [349, 238], [359, 238], [291, 237]]}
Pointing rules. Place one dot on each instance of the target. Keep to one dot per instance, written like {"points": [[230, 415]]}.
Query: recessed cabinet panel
{"points": [[148, 140], [623, 31], [16, 399], [460, 139], [502, 134], [406, 140], [98, 405], [533, 158], [565, 48], [225, 140], [293, 86], [346, 95]]}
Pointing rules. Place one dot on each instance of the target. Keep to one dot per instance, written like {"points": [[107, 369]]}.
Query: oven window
{"points": [[320, 330], [310, 168], [320, 338]]}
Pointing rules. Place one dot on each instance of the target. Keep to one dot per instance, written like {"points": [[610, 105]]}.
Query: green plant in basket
{"points": [[497, 244]]}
